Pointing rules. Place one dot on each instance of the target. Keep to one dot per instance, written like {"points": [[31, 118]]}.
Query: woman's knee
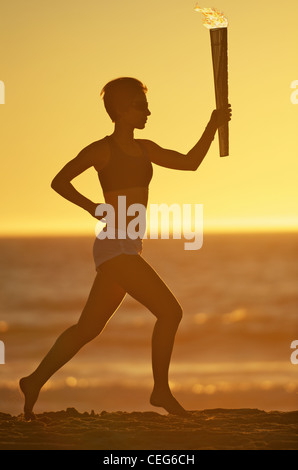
{"points": [[173, 312], [178, 312]]}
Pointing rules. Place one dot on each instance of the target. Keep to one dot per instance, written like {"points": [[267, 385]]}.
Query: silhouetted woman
{"points": [[124, 166]]}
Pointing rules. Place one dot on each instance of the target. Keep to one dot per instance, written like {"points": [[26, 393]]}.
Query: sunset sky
{"points": [[56, 57]]}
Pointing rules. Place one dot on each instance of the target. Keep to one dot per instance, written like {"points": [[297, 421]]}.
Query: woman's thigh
{"points": [[104, 299], [143, 283]]}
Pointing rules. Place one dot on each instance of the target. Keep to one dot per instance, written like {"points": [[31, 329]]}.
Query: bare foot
{"points": [[31, 393], [166, 400]]}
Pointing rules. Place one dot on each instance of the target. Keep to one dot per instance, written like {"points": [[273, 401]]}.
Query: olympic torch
{"points": [[216, 22]]}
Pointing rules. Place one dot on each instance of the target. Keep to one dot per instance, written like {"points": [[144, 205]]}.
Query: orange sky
{"points": [[57, 56]]}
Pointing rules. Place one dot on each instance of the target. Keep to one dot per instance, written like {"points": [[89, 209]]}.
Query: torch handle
{"points": [[219, 46]]}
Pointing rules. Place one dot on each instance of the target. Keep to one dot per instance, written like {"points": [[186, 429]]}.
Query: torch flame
{"points": [[213, 18]]}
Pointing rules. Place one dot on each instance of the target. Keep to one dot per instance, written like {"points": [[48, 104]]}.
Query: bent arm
{"points": [[179, 161], [87, 158], [193, 159], [67, 190]]}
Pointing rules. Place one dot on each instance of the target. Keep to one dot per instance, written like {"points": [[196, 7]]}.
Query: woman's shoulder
{"points": [[99, 152], [149, 146], [101, 144]]}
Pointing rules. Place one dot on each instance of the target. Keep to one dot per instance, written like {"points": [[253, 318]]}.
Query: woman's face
{"points": [[137, 113]]}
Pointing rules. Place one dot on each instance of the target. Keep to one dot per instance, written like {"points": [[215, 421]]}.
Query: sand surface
{"points": [[207, 429]]}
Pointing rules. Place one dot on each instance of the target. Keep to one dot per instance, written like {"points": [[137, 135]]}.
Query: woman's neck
{"points": [[123, 135]]}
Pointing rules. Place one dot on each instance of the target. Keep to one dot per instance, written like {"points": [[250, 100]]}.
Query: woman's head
{"points": [[122, 93]]}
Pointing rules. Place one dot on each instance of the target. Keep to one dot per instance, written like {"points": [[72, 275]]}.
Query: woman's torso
{"points": [[130, 169]]}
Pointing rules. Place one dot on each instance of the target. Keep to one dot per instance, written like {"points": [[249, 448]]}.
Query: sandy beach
{"points": [[216, 429]]}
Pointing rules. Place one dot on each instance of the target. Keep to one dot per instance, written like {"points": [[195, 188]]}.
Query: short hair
{"points": [[118, 94]]}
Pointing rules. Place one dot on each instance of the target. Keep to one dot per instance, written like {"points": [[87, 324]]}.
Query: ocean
{"points": [[239, 294]]}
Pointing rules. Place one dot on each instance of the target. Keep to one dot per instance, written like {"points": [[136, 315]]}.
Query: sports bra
{"points": [[123, 170]]}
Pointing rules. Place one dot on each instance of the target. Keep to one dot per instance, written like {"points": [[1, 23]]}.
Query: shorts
{"points": [[107, 248]]}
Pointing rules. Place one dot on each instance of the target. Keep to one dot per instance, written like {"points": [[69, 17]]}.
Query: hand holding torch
{"points": [[218, 26]]}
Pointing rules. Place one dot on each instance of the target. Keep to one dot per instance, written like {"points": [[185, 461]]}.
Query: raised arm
{"points": [[95, 154], [192, 160]]}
